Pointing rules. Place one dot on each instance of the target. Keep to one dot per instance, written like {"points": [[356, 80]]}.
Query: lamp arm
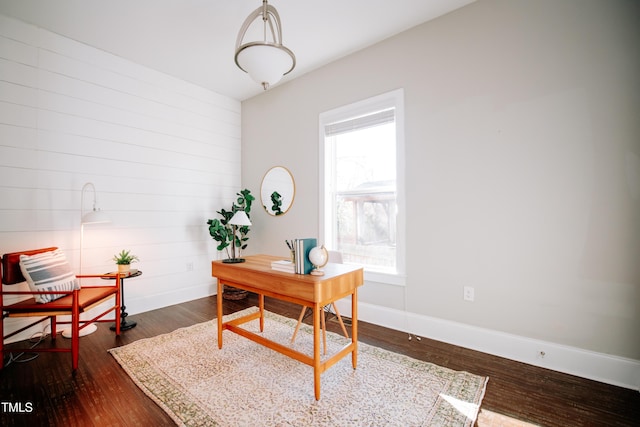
{"points": [[95, 198]]}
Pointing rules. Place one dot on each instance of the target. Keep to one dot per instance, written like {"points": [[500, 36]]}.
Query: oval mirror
{"points": [[277, 191]]}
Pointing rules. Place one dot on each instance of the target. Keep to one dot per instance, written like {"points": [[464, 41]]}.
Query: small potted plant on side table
{"points": [[124, 260]]}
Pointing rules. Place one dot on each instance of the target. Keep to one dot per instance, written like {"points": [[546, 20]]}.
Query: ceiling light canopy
{"points": [[266, 60]]}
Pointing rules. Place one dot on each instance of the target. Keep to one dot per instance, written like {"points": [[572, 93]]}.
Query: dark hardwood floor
{"points": [[101, 393]]}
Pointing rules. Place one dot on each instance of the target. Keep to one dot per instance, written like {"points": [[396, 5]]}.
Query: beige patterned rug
{"points": [[245, 384]]}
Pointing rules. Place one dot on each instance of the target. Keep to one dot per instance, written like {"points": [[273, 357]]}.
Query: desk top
{"points": [[256, 275]]}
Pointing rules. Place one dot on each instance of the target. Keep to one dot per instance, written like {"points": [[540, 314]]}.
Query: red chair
{"points": [[73, 303]]}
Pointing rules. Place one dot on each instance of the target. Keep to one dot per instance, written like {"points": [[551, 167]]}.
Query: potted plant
{"points": [[124, 260], [222, 232]]}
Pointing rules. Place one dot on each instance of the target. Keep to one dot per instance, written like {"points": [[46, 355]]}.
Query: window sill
{"points": [[385, 278]]}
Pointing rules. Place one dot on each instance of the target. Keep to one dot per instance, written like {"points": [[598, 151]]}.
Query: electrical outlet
{"points": [[469, 293], [190, 266]]}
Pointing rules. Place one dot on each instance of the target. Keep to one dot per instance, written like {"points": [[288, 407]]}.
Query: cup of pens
{"points": [[292, 250]]}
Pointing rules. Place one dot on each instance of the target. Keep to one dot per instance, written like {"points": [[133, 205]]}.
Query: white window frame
{"points": [[390, 99]]}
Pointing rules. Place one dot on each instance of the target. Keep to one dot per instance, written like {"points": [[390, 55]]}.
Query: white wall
{"points": [[522, 168], [163, 154]]}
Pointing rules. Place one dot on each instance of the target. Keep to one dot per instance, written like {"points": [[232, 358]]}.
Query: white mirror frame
{"points": [[278, 180]]}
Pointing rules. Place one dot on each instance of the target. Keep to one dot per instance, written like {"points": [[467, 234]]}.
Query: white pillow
{"points": [[48, 271]]}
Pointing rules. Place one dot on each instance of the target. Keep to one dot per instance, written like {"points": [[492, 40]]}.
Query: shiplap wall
{"points": [[163, 155]]}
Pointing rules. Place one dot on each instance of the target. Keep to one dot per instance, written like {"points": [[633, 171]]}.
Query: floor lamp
{"points": [[94, 216]]}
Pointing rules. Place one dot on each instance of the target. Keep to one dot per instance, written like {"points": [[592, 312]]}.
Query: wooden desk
{"points": [[255, 275]]}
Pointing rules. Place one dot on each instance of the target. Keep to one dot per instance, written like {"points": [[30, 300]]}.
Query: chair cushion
{"points": [[48, 271], [88, 297]]}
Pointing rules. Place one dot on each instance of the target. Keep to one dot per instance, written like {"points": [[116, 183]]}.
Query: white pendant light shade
{"points": [[266, 60], [265, 64]]}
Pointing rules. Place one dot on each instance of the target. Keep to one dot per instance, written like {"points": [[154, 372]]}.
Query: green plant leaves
{"points": [[125, 257], [220, 229]]}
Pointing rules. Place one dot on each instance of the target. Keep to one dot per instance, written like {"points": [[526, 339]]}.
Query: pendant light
{"points": [[266, 60]]}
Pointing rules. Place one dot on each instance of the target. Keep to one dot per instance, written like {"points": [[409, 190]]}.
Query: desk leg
{"points": [[354, 327], [316, 349], [261, 307], [219, 307]]}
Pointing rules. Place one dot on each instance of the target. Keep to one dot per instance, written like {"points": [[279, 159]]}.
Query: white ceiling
{"points": [[195, 39]]}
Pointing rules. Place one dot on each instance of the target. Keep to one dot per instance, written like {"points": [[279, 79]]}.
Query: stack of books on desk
{"points": [[302, 249], [283, 265], [300, 263]]}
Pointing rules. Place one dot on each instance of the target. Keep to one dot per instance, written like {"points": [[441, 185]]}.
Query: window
{"points": [[362, 185]]}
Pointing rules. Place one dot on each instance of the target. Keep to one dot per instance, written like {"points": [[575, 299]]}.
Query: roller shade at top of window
{"points": [[370, 120]]}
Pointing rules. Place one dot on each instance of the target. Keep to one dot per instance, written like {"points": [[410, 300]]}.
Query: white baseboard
{"points": [[176, 296], [596, 366], [13, 324]]}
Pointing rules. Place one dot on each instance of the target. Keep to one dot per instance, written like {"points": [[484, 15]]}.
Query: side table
{"points": [[124, 325]]}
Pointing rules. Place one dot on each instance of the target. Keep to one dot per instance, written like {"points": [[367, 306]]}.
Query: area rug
{"points": [[245, 384]]}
